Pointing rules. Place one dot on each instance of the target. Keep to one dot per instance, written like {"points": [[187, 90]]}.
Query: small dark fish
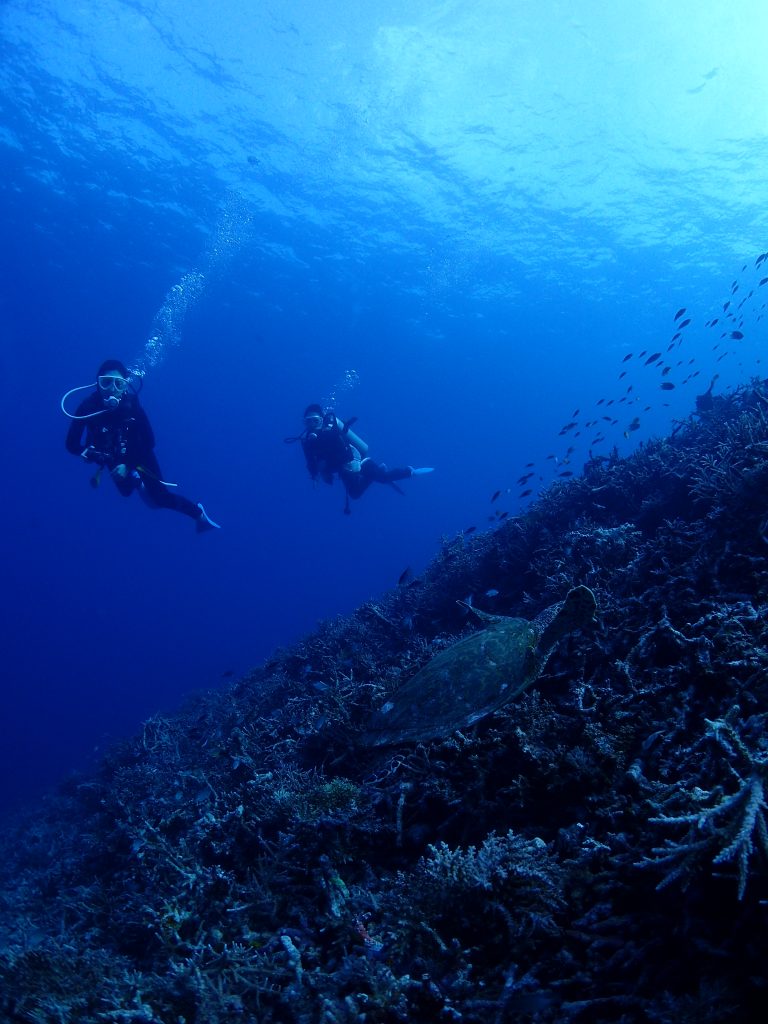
{"points": [[761, 258], [679, 313], [737, 335], [523, 494], [653, 358], [505, 514], [494, 496], [665, 371], [667, 386], [622, 374], [567, 427], [684, 324], [228, 673], [404, 576], [469, 529], [566, 472], [575, 413], [600, 401], [627, 358], [634, 425], [762, 281], [725, 306]]}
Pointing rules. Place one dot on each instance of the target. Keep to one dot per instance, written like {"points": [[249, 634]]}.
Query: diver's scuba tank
{"points": [[352, 437]]}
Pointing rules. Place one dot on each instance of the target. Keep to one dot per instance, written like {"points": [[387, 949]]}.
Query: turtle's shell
{"points": [[477, 675]]}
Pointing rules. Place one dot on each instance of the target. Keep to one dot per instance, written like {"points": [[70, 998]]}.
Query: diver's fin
{"points": [[204, 521]]}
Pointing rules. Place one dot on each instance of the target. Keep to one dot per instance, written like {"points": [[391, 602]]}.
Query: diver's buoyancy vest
{"points": [[114, 436]]}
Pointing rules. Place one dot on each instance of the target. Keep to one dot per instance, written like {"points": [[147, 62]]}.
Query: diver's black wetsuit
{"points": [[329, 450], [123, 436]]}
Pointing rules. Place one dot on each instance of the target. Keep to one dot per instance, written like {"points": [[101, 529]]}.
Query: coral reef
{"points": [[596, 850]]}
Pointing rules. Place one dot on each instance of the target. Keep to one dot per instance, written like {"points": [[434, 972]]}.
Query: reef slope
{"points": [[595, 851]]}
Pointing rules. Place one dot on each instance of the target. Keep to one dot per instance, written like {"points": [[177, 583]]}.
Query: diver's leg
{"points": [[378, 472], [356, 484], [125, 485], [157, 495]]}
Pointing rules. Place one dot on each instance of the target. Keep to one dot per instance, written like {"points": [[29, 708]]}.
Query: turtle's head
{"points": [[580, 606]]}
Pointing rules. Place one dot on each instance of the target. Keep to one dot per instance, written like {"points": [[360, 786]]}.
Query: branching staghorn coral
{"points": [[738, 462], [507, 879], [727, 825]]}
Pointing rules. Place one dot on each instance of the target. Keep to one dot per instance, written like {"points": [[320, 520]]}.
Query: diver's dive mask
{"points": [[112, 389]]}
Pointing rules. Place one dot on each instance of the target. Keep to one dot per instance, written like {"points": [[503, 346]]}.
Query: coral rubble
{"points": [[595, 851]]}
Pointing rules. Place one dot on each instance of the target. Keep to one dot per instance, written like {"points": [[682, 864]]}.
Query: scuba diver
{"points": [[110, 430], [331, 447]]}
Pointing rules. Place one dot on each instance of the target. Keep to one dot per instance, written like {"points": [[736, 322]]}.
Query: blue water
{"points": [[452, 220]]}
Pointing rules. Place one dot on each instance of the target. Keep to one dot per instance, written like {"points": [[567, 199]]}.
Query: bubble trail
{"points": [[168, 321], [231, 233]]}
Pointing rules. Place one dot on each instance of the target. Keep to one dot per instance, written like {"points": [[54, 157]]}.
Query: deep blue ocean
{"points": [[461, 222]]}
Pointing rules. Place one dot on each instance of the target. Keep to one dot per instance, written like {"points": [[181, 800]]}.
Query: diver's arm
{"points": [[311, 459], [74, 441], [145, 437]]}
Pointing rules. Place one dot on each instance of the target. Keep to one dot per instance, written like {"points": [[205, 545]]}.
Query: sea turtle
{"points": [[479, 674]]}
